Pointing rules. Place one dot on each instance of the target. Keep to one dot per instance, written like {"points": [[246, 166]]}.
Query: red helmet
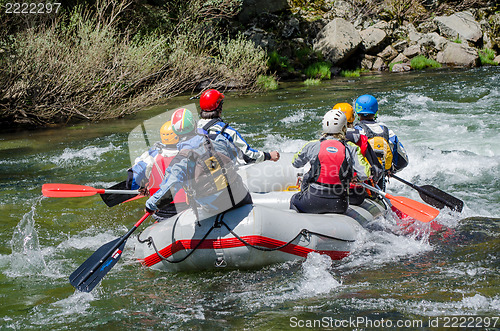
{"points": [[210, 100]]}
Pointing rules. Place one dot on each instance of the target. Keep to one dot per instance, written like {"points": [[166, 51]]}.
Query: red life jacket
{"points": [[160, 164], [362, 143], [334, 168]]}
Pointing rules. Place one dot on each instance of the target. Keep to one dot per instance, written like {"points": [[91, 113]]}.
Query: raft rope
{"points": [[217, 223]]}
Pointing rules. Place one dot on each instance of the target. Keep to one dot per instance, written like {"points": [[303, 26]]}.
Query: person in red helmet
{"points": [[211, 123]]}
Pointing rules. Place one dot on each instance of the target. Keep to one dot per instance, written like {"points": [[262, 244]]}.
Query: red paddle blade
{"points": [[68, 190], [415, 209]]}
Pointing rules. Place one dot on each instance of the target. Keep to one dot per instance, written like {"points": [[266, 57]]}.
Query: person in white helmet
{"points": [[335, 162]]}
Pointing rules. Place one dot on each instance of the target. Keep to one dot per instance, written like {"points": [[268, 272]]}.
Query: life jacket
{"points": [[380, 145], [334, 168], [213, 172], [157, 175], [207, 126]]}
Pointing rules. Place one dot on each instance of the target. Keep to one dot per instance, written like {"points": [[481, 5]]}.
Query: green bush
{"points": [[351, 73], [277, 62], [421, 62], [486, 57], [267, 83], [319, 70], [312, 81]]}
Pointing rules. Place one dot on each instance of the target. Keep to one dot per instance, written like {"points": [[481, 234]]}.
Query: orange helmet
{"points": [[210, 100], [168, 136], [347, 110]]}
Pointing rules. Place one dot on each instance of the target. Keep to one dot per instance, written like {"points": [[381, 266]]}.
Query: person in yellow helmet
{"points": [[357, 193], [148, 170]]}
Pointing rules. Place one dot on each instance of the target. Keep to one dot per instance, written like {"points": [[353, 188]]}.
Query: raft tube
{"points": [[252, 236]]}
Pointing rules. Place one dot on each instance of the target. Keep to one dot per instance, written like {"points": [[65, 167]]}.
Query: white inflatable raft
{"points": [[251, 236]]}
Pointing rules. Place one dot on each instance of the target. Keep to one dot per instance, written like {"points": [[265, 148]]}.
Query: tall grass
{"points": [[319, 70], [486, 57], [420, 62], [351, 73], [83, 67]]}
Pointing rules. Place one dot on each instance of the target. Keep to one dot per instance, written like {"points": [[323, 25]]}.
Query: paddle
{"points": [[90, 273], [112, 199], [412, 208], [72, 191], [434, 196]]}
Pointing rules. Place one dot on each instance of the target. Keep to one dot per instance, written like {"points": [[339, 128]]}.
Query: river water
{"points": [[448, 122]]}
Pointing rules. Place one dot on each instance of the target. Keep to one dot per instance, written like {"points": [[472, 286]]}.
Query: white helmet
{"points": [[334, 121]]}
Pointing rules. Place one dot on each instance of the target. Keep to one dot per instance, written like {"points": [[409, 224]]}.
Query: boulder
{"points": [[254, 8], [367, 62], [379, 64], [401, 67], [401, 58], [388, 53], [458, 55], [373, 39], [459, 25], [337, 41], [428, 40], [412, 51], [400, 45], [497, 59]]}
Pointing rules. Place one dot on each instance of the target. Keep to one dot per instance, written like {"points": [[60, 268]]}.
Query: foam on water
{"points": [[71, 156]]}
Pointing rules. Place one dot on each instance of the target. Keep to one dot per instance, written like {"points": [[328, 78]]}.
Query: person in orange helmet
{"points": [[211, 123]]}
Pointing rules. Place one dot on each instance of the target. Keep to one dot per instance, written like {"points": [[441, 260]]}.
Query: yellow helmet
{"points": [[168, 136], [347, 110]]}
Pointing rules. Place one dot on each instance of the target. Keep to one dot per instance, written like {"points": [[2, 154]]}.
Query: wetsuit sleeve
{"points": [[250, 155], [360, 165], [305, 154], [138, 175], [399, 155]]}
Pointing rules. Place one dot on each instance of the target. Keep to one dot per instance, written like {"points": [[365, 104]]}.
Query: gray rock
{"points": [[400, 58], [373, 39], [379, 64], [400, 45], [367, 62], [342, 9], [427, 27], [412, 51], [428, 40], [497, 59], [337, 41], [462, 25], [290, 28], [253, 8], [388, 53], [458, 55], [401, 67]]}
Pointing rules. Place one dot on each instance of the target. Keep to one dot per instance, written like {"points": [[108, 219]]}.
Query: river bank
{"points": [[109, 60]]}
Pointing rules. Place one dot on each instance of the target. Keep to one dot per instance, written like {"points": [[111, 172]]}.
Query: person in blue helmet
{"points": [[204, 168], [386, 145]]}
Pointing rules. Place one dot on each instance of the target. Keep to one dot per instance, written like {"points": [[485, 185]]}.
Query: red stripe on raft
{"points": [[261, 241]]}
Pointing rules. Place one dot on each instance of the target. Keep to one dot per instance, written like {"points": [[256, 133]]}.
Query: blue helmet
{"points": [[366, 105]]}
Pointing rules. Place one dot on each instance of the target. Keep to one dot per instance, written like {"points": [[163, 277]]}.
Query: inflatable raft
{"points": [[251, 236]]}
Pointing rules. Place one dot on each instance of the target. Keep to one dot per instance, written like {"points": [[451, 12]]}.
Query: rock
{"points": [[428, 40], [427, 27], [497, 59], [367, 62], [401, 67], [373, 39], [379, 64], [261, 38], [337, 41], [461, 25], [458, 55], [412, 51], [254, 8], [400, 45], [342, 9], [388, 53], [290, 28], [401, 58]]}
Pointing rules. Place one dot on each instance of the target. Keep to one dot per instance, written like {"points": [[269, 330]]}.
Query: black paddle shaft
{"points": [[90, 273], [434, 196]]}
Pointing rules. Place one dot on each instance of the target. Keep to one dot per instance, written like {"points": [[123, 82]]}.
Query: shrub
{"points": [[277, 62], [319, 70], [421, 62], [312, 81], [351, 73], [486, 57], [267, 82]]}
